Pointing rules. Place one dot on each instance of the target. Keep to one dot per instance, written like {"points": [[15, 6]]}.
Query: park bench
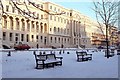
{"points": [[110, 53], [47, 60], [118, 51], [83, 56]]}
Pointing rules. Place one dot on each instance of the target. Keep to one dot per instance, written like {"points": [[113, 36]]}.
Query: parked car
{"points": [[100, 47], [21, 47]]}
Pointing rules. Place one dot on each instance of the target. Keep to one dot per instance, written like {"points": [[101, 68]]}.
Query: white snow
{"points": [[0, 66], [22, 65]]}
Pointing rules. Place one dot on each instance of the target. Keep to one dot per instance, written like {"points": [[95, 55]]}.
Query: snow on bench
{"points": [[83, 56], [47, 60]]}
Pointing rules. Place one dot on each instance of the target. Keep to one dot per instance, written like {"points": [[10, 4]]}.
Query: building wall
{"points": [[113, 35], [0, 29], [59, 25], [71, 29], [16, 25]]}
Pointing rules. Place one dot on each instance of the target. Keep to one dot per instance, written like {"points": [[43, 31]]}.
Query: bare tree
{"points": [[106, 13], [16, 4]]}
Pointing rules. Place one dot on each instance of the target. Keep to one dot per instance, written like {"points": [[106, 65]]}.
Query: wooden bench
{"points": [[83, 56], [47, 60], [110, 53], [118, 51]]}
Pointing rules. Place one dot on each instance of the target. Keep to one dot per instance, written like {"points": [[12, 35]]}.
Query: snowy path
{"points": [[22, 63]]}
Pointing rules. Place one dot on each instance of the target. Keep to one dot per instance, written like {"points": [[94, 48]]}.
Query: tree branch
{"points": [[35, 5]]}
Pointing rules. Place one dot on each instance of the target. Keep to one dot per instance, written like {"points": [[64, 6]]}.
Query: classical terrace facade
{"points": [[71, 29], [47, 30]]}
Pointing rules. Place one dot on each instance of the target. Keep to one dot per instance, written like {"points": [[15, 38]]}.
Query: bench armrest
{"points": [[40, 59], [60, 58], [89, 54]]}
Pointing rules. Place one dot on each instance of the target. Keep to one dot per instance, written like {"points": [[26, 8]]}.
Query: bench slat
{"points": [[47, 60], [83, 56]]}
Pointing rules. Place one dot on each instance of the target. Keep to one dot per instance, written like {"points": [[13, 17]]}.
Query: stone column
{"points": [[72, 32]]}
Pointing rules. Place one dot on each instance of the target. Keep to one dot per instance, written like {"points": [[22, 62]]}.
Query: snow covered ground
{"points": [[0, 66], [22, 65]]}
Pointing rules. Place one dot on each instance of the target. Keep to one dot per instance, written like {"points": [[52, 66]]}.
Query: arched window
{"points": [[54, 18], [37, 27], [32, 37], [68, 40], [50, 17], [62, 40], [55, 39], [41, 16], [59, 40], [27, 37], [22, 37], [5, 22], [51, 7], [41, 38], [42, 6], [17, 24], [7, 8], [54, 29], [37, 38], [11, 36], [4, 35], [41, 27], [74, 41], [61, 30], [32, 26], [58, 19], [28, 25], [65, 40], [68, 31], [45, 28], [11, 22], [51, 39], [64, 31], [64, 21], [23, 24], [58, 30]]}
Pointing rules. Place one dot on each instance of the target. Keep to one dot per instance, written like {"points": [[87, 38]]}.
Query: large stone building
{"points": [[72, 29], [47, 30], [0, 28]]}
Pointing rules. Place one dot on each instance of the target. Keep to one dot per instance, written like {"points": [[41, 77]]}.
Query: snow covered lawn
{"points": [[22, 65]]}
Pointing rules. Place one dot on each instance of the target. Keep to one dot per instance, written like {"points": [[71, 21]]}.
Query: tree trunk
{"points": [[107, 42]]}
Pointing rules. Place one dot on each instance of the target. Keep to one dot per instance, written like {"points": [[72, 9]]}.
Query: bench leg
{"points": [[89, 58], [79, 59], [40, 66], [49, 65], [58, 63]]}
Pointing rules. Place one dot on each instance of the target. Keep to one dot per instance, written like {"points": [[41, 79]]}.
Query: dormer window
{"points": [[7, 8]]}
